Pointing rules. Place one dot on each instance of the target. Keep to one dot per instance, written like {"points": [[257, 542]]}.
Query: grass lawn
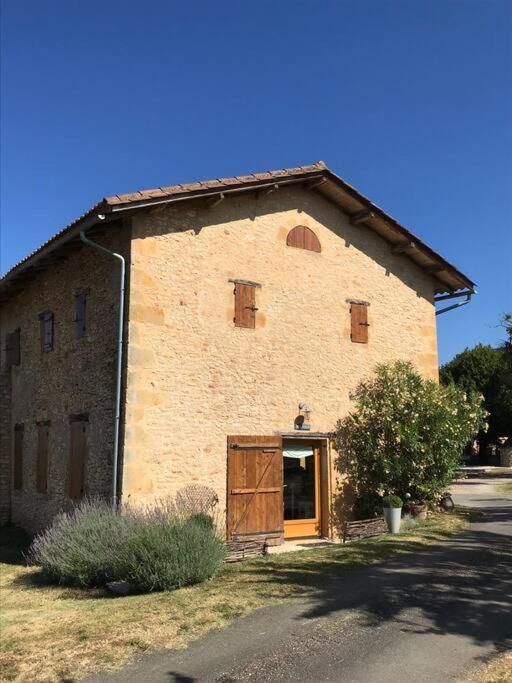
{"points": [[53, 633], [505, 488]]}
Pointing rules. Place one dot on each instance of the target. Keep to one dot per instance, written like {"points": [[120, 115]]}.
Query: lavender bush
{"points": [[154, 548]]}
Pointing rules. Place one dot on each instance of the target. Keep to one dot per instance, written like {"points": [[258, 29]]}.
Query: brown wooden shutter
{"points": [[245, 305], [77, 457], [255, 487], [18, 458], [359, 323], [46, 331], [12, 349], [43, 433], [303, 237]]}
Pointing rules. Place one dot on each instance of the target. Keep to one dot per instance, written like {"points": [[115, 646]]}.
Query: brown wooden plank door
{"points": [[43, 434], [18, 458], [255, 487], [77, 458]]}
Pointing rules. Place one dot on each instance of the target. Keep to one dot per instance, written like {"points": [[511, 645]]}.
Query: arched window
{"points": [[303, 238]]}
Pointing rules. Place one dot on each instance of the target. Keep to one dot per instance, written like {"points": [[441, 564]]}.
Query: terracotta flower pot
{"points": [[418, 510]]}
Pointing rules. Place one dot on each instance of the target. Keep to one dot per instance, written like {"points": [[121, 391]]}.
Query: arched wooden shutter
{"points": [[303, 237]]}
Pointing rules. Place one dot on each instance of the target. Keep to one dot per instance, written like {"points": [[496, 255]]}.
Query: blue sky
{"points": [[411, 102]]}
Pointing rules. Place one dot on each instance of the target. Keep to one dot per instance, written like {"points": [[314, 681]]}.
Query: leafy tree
{"points": [[487, 370], [472, 369], [406, 433]]}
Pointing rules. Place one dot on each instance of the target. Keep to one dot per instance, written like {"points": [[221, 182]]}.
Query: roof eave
{"points": [[447, 276]]}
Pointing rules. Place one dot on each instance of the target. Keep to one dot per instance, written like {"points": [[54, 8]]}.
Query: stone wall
{"points": [[76, 377], [194, 378]]}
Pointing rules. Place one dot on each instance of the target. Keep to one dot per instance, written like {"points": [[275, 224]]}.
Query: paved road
{"points": [[428, 617]]}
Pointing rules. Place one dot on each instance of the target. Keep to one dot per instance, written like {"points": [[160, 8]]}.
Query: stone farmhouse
{"points": [[252, 307]]}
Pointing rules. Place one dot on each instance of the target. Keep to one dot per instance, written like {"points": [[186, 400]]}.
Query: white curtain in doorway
{"points": [[297, 451]]}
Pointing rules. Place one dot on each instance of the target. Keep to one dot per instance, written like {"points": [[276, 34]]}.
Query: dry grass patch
{"points": [[499, 670], [53, 633]]}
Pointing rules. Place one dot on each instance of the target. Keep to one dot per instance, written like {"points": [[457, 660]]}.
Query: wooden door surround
{"points": [[255, 504]]}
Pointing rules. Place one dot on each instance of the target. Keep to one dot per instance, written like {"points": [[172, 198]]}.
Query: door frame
{"points": [[306, 528]]}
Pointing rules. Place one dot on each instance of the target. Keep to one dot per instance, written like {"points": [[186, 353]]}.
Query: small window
{"points": [[46, 331], [43, 436], [359, 322], [302, 237], [12, 349], [77, 457], [80, 314], [245, 303], [18, 458]]}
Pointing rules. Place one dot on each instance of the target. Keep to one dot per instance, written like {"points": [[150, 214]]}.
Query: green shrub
{"points": [[152, 549], [367, 505], [392, 501], [406, 433]]}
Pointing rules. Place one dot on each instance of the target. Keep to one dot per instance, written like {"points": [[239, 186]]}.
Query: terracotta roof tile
{"points": [[115, 202], [157, 192]]}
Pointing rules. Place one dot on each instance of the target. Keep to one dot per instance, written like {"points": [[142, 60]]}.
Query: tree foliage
{"points": [[487, 370], [406, 433]]}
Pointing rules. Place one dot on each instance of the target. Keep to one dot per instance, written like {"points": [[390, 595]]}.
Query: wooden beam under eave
{"points": [[217, 199], [311, 184], [361, 217], [403, 246], [266, 191]]}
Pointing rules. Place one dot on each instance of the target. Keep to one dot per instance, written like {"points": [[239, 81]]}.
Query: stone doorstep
{"points": [[295, 544]]}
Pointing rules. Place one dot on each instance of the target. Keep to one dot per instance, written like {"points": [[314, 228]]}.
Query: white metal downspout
{"points": [[120, 343]]}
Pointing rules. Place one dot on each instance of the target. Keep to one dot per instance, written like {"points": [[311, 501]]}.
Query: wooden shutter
{"points": [[80, 314], [46, 331], [245, 305], [43, 433], [77, 457], [359, 323], [12, 348], [18, 458], [303, 237], [255, 487]]}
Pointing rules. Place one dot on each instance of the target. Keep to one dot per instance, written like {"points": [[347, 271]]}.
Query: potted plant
{"points": [[419, 509], [392, 508]]}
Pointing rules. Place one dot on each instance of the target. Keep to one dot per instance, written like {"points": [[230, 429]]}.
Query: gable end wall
{"points": [[193, 377]]}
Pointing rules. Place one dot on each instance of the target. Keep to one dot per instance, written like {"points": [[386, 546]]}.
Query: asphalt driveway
{"points": [[429, 616]]}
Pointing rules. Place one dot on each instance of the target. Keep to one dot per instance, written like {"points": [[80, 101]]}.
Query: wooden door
{"points": [[255, 487], [309, 525]]}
